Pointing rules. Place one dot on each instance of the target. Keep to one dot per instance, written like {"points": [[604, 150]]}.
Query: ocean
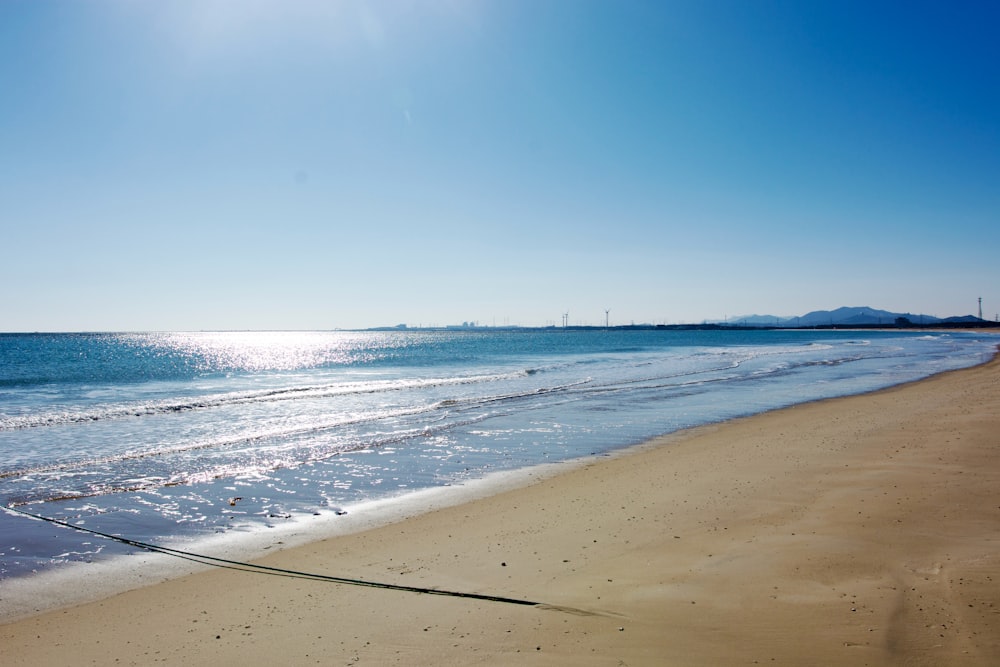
{"points": [[174, 438]]}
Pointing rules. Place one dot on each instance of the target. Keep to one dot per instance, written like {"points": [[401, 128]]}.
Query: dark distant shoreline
{"points": [[940, 326]]}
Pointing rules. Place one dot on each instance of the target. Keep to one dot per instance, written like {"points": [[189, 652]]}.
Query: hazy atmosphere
{"points": [[315, 165]]}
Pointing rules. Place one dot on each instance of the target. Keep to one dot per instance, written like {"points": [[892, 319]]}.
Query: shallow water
{"points": [[171, 437]]}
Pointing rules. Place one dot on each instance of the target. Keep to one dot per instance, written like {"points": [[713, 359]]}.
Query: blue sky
{"points": [[212, 164]]}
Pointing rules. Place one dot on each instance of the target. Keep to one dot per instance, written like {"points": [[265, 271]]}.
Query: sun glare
{"points": [[270, 350]]}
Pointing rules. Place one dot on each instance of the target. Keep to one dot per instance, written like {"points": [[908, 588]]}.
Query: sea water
{"points": [[171, 437]]}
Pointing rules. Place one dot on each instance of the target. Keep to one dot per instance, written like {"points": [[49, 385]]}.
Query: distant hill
{"points": [[964, 319], [859, 316], [850, 316]]}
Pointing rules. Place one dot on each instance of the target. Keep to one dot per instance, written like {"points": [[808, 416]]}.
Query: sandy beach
{"points": [[855, 531]]}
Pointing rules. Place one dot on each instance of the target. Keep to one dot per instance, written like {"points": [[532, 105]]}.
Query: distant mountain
{"points": [[964, 319], [857, 316], [848, 316]]}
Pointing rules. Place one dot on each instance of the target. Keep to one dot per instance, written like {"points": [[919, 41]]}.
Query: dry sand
{"points": [[855, 531]]}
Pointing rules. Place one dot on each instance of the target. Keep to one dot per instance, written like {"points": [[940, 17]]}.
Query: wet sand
{"points": [[861, 530]]}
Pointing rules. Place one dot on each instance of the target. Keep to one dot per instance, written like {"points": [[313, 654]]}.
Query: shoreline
{"points": [[835, 531], [81, 583]]}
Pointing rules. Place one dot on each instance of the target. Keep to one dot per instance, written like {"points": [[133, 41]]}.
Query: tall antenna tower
{"points": [[980, 307]]}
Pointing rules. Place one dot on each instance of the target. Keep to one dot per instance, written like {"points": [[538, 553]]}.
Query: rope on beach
{"points": [[274, 571]]}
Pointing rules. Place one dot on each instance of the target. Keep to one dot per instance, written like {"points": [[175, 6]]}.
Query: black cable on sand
{"points": [[277, 571]]}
